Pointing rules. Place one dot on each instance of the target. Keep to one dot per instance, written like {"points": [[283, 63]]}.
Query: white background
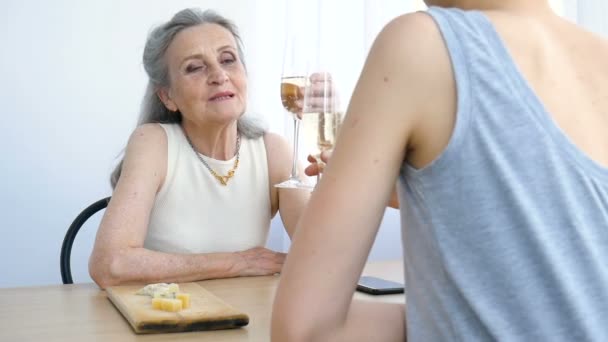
{"points": [[72, 82]]}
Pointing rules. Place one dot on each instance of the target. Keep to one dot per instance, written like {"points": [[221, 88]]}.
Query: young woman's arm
{"points": [[405, 91], [316, 168]]}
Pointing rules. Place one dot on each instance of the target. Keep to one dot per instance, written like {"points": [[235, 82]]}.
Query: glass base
{"points": [[294, 184]]}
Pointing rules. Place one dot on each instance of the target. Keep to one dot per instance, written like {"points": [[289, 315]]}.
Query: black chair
{"points": [[68, 240]]}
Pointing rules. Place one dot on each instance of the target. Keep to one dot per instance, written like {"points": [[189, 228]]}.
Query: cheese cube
{"points": [[172, 305], [157, 303], [185, 298]]}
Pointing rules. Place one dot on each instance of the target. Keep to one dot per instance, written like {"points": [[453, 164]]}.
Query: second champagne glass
{"points": [[322, 114]]}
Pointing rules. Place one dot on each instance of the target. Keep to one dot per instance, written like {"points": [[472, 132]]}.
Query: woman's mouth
{"points": [[222, 96]]}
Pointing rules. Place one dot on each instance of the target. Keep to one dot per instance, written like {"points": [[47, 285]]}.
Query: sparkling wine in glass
{"points": [[321, 114], [292, 94]]}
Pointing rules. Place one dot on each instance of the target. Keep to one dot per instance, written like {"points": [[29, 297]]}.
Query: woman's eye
{"points": [[193, 68], [228, 59]]}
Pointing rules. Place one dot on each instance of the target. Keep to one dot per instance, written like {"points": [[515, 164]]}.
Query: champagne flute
{"points": [[322, 114], [326, 92], [293, 81]]}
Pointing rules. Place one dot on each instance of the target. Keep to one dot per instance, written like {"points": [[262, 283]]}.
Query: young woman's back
{"points": [[567, 68], [506, 230]]}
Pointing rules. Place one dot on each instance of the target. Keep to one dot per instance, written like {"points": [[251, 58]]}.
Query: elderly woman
{"points": [[194, 194]]}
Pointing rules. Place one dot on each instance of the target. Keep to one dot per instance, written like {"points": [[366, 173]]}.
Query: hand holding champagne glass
{"points": [[309, 93], [322, 114]]}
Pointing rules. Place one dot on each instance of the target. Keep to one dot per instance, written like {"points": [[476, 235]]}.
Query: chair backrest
{"points": [[68, 240]]}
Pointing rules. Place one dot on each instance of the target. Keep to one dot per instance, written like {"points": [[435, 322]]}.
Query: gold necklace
{"points": [[223, 179]]}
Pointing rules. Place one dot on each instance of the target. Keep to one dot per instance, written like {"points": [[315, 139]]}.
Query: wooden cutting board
{"points": [[206, 311]]}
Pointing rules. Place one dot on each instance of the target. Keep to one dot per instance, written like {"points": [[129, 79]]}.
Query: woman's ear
{"points": [[165, 97]]}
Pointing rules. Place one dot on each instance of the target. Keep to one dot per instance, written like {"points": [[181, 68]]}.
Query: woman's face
{"points": [[208, 82]]}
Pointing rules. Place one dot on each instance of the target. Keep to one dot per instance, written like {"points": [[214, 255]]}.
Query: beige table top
{"points": [[81, 312]]}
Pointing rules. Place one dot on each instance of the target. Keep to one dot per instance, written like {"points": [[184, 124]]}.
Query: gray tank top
{"points": [[505, 234]]}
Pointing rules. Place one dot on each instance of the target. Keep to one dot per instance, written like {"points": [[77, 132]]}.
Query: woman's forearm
{"points": [[140, 265]]}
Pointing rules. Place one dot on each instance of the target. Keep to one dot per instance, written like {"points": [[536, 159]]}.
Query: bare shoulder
{"points": [[146, 140], [274, 138], [278, 154], [277, 147], [409, 55], [148, 136], [414, 25], [146, 155], [411, 40], [409, 70], [596, 43]]}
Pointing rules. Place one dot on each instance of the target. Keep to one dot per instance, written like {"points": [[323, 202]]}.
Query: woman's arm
{"points": [[401, 86], [119, 257], [316, 168], [289, 202]]}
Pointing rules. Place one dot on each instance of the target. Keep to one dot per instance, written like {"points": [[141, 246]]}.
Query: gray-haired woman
{"points": [[194, 194]]}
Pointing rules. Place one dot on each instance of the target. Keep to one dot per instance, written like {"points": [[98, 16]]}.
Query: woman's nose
{"points": [[217, 75]]}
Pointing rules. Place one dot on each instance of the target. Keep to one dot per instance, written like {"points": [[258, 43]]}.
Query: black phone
{"points": [[379, 286]]}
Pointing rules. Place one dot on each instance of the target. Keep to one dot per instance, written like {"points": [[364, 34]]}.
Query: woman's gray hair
{"points": [[159, 39]]}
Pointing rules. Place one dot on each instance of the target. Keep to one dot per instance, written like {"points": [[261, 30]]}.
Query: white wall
{"points": [[589, 13], [71, 85], [72, 81]]}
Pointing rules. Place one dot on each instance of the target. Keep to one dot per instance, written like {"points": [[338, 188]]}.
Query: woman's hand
{"points": [[316, 166], [259, 261], [321, 93]]}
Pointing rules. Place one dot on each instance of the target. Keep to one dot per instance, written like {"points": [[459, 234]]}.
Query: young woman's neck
{"points": [[214, 141]]}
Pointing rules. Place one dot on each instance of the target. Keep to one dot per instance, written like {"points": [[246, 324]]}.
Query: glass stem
{"points": [[296, 138], [319, 162]]}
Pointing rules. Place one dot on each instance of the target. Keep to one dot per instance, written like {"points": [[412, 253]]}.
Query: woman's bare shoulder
{"points": [[148, 134], [146, 153], [410, 43], [279, 156], [410, 63], [276, 144]]}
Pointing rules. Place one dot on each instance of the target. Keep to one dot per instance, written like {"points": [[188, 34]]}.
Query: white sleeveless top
{"points": [[195, 213]]}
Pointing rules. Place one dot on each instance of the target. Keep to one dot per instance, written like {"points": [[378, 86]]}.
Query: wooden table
{"points": [[81, 312]]}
